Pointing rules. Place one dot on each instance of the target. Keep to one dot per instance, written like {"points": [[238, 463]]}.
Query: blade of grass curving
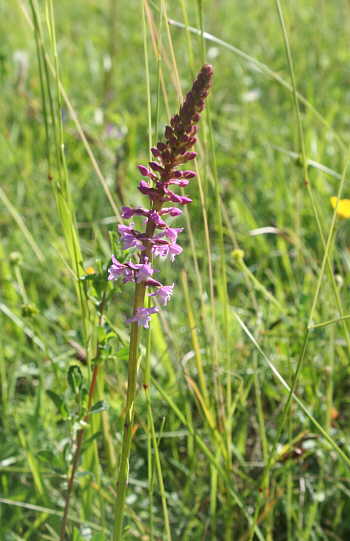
{"points": [[291, 395], [267, 71], [47, 510], [307, 183], [330, 440], [306, 178], [329, 240], [312, 163], [335, 320], [24, 328], [22, 227], [240, 263]]}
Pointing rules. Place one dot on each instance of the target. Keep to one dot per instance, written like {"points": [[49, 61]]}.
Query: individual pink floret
{"points": [[116, 269], [172, 233], [130, 241], [174, 249], [144, 271], [143, 316], [164, 293]]}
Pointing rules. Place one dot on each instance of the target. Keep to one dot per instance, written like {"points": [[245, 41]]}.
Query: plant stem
{"points": [[135, 334], [81, 432]]}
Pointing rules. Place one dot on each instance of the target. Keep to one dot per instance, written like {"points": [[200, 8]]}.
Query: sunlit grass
{"points": [[223, 355]]}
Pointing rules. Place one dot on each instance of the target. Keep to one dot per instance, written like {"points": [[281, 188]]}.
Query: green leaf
{"points": [[98, 537], [101, 334], [110, 335], [123, 353], [75, 378], [49, 458], [77, 536], [101, 405], [59, 403]]}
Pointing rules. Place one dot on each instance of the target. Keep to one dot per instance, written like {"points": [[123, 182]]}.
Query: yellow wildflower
{"points": [[91, 270], [343, 210]]}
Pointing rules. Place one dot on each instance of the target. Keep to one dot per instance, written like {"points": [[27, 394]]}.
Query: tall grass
{"points": [[242, 427]]}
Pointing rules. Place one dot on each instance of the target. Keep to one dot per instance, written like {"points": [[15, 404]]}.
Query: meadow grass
{"points": [[241, 417]]}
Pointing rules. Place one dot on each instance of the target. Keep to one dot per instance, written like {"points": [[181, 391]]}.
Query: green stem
{"points": [[135, 335], [129, 418]]}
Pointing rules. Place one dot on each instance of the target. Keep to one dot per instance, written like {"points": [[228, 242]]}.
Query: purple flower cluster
{"points": [[162, 174]]}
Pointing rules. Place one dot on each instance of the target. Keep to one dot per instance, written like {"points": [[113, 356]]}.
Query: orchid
{"points": [[143, 316], [161, 173]]}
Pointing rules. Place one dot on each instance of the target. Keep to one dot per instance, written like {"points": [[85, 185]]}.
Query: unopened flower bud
{"points": [[175, 212], [168, 132], [143, 170], [15, 258], [166, 156], [189, 174], [185, 200], [155, 152], [192, 130], [189, 156], [161, 146], [155, 166], [238, 255]]}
